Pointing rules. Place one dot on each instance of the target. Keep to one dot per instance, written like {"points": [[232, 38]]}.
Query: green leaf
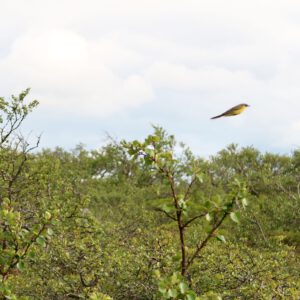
{"points": [[47, 215], [234, 217], [190, 297], [50, 231], [132, 151], [221, 238], [162, 290], [227, 206], [31, 254], [21, 265], [176, 258], [174, 278], [156, 138], [136, 144], [208, 217], [41, 241], [172, 293], [200, 177], [183, 287], [167, 208], [148, 160], [244, 202], [156, 273], [5, 202], [149, 152], [182, 204]]}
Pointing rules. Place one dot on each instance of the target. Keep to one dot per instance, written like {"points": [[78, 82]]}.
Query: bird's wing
{"points": [[229, 111], [239, 106]]}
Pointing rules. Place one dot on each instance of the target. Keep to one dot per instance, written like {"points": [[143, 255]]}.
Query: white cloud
{"points": [[69, 73], [183, 60], [180, 77]]}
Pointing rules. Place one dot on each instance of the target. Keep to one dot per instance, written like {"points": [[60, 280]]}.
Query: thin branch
{"points": [[166, 213], [74, 296], [189, 188], [13, 126], [178, 216], [201, 245], [193, 219], [256, 222]]}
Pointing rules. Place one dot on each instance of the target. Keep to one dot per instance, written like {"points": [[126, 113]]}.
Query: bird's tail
{"points": [[216, 117]]}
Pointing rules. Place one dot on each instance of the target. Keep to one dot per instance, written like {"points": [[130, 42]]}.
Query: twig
{"points": [[166, 213], [193, 219]]}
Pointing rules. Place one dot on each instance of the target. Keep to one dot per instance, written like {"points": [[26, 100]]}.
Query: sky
{"points": [[115, 67]]}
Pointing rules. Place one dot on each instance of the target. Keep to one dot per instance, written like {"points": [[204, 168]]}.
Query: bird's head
{"points": [[246, 105]]}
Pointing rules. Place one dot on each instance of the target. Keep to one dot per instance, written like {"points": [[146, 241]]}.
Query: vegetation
{"points": [[145, 220]]}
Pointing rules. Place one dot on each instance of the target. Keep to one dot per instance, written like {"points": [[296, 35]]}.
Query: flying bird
{"points": [[236, 110]]}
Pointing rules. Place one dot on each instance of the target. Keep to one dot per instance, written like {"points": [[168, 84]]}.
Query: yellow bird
{"points": [[236, 110]]}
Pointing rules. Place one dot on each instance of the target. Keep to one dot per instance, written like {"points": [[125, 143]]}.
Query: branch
{"points": [[257, 223], [15, 259], [193, 219], [189, 188], [201, 245], [74, 296], [166, 213], [14, 125]]}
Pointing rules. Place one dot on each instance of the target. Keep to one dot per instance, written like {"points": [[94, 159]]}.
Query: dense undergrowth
{"points": [[141, 220]]}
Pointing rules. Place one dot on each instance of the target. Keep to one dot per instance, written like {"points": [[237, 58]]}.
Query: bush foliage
{"points": [[145, 219]]}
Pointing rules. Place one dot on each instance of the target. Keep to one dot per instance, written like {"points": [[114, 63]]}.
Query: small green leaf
{"points": [[183, 287], [148, 160], [244, 202], [234, 217], [162, 290], [190, 297], [156, 273], [149, 152], [156, 138], [208, 204], [50, 231], [41, 241], [31, 254], [208, 217], [200, 177], [136, 144], [167, 208], [172, 293], [5, 202], [221, 238], [176, 258], [21, 266], [174, 278], [47, 215], [132, 151]]}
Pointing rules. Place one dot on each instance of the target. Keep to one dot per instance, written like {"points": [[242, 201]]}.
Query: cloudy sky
{"points": [[118, 66]]}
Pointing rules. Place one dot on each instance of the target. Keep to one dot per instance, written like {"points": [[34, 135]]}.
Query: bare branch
{"points": [[201, 245], [194, 219], [166, 213]]}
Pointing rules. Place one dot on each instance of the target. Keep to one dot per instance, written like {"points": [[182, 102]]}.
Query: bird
{"points": [[236, 110]]}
